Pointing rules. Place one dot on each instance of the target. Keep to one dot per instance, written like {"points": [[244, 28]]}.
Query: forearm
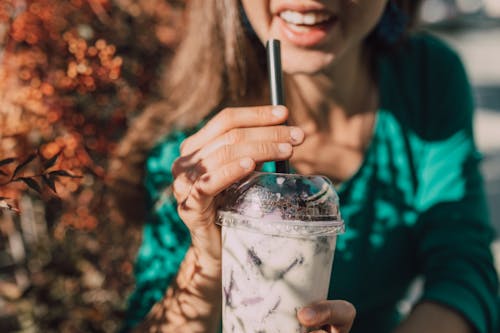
{"points": [[434, 318], [192, 303]]}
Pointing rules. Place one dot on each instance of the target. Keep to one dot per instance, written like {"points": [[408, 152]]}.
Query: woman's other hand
{"points": [[225, 150], [330, 316]]}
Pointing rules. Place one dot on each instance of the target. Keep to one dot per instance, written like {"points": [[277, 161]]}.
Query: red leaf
{"points": [[7, 161], [3, 173], [49, 182], [24, 164], [63, 173], [33, 184], [51, 161]]}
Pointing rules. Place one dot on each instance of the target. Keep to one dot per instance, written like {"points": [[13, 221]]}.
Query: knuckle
{"points": [[267, 149], [351, 311], [199, 170], [224, 153], [198, 191], [176, 168], [330, 312], [282, 133], [180, 165], [183, 214], [192, 174], [226, 172], [348, 309], [228, 115], [184, 146], [180, 211], [264, 112], [233, 136], [177, 190], [222, 178]]}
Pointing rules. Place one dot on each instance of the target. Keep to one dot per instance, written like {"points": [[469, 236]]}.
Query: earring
{"points": [[392, 25]]}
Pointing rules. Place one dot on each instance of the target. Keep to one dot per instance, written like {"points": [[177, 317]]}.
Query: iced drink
{"points": [[278, 241]]}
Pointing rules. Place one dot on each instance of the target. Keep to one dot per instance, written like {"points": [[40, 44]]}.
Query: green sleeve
{"points": [[165, 238], [453, 233]]}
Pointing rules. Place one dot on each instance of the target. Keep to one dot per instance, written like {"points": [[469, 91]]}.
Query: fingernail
{"points": [[285, 148], [279, 111], [296, 134], [307, 313], [246, 163]]}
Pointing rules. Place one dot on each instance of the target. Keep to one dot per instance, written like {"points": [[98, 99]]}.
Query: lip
{"points": [[308, 37], [300, 7]]}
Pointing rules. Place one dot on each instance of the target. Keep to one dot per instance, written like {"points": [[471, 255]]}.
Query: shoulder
{"points": [[426, 52], [430, 77], [445, 82], [426, 61]]}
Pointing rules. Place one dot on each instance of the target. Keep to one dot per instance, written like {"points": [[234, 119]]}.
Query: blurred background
{"points": [[472, 27], [71, 74]]}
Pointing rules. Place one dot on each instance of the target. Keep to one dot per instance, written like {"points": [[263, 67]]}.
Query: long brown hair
{"points": [[217, 64]]}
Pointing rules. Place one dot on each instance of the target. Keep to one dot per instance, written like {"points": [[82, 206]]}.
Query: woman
{"points": [[385, 115]]}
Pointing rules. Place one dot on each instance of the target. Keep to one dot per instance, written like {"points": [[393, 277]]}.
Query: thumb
{"points": [[339, 314]]}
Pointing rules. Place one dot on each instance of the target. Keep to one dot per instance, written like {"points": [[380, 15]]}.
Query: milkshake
{"points": [[278, 241]]}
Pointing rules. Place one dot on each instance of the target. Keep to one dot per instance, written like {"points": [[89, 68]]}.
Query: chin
{"points": [[306, 62]]}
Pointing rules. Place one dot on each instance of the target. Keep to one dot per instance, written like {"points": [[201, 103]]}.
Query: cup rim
{"points": [[297, 228]]}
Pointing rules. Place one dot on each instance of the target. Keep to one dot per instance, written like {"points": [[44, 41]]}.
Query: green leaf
{"points": [[24, 164], [7, 161], [49, 182], [33, 184], [51, 161]]}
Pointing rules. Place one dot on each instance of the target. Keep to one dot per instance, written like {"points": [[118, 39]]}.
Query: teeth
{"points": [[310, 18]]}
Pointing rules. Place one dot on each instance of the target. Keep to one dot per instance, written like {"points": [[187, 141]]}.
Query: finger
{"points": [[183, 163], [258, 151], [212, 183], [186, 173], [182, 185], [340, 314], [290, 134], [231, 118]]}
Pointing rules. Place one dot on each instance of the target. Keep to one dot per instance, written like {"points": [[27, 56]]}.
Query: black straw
{"points": [[276, 87]]}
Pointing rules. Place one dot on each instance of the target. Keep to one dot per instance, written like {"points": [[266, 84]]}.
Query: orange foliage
{"points": [[71, 74]]}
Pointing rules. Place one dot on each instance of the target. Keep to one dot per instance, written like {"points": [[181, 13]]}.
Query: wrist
{"points": [[200, 275], [206, 245], [192, 303]]}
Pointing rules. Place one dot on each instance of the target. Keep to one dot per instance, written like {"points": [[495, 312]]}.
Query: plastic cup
{"points": [[278, 240]]}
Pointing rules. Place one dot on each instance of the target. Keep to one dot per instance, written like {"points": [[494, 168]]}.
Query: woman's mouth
{"points": [[306, 28], [305, 19]]}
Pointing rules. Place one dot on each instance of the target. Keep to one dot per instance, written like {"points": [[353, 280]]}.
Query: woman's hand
{"points": [[331, 316], [225, 150]]}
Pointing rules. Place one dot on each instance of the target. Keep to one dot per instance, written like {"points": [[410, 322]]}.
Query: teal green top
{"points": [[416, 206]]}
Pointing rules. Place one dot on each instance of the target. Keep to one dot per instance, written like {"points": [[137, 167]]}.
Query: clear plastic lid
{"points": [[282, 204]]}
